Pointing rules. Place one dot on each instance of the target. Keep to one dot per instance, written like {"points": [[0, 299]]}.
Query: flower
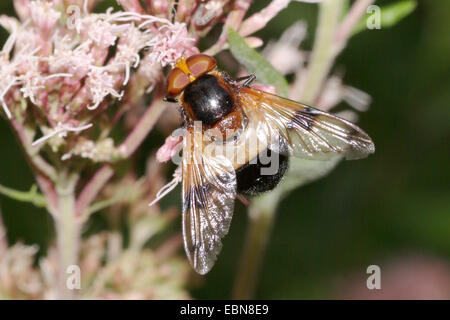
{"points": [[101, 83], [61, 131], [171, 43], [62, 68], [43, 16]]}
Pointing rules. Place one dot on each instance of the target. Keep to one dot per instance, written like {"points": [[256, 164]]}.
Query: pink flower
{"points": [[131, 43], [71, 57], [170, 147], [170, 43], [61, 130], [43, 16], [102, 33], [101, 83]]}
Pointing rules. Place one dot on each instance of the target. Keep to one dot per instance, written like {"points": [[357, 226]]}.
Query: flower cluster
{"points": [[56, 61]]}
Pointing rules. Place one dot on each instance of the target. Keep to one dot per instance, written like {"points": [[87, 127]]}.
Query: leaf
{"points": [[255, 63], [390, 15]]}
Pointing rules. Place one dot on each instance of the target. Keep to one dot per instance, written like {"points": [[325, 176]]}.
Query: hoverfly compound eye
{"points": [[177, 80], [199, 64]]}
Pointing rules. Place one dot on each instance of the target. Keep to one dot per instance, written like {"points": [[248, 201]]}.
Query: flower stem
{"points": [[234, 20], [323, 53], [26, 196], [262, 215], [144, 126], [67, 232], [347, 26]]}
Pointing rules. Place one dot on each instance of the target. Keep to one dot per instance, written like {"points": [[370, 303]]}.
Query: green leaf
{"points": [[255, 63], [390, 15]]}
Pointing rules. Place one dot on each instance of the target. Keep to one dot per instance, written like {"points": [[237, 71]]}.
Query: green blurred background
{"points": [[394, 204]]}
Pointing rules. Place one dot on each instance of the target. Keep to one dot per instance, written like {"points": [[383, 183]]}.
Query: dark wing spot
{"points": [[353, 132], [190, 247], [304, 118], [197, 196]]}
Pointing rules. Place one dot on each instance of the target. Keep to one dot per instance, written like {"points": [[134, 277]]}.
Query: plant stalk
{"points": [[261, 218], [323, 53], [67, 233]]}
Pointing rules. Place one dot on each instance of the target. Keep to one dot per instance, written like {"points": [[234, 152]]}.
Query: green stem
{"points": [[261, 218], [25, 196], [323, 54], [67, 233]]}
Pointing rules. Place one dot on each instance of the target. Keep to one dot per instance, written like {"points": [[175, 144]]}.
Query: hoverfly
{"points": [[211, 180]]}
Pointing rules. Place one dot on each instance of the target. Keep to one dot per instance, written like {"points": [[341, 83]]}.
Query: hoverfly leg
{"points": [[247, 80], [170, 99]]}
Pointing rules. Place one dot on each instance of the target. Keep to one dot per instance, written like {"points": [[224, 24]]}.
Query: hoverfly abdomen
{"points": [[208, 99], [250, 178]]}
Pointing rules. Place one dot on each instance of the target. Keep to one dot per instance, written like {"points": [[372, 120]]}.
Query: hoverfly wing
{"points": [[209, 190], [305, 132]]}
